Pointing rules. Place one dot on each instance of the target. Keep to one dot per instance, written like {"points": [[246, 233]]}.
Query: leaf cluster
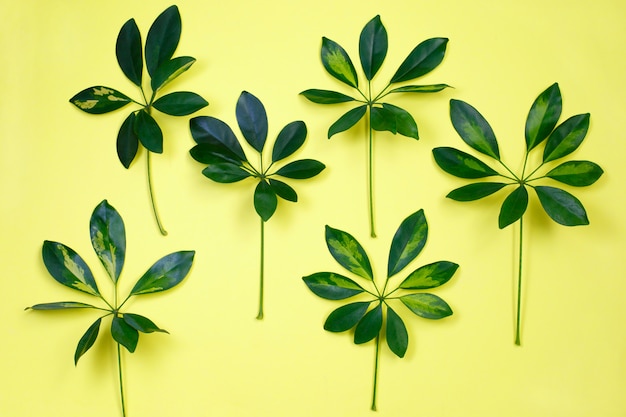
{"points": [[219, 148], [140, 127], [108, 239], [367, 316], [373, 46], [542, 128]]}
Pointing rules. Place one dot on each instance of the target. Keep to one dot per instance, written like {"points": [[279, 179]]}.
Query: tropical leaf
{"points": [[61, 305], [576, 173], [99, 100], [289, 140], [461, 164], [473, 128], [561, 206], [348, 252], [347, 120], [180, 103], [543, 116], [124, 334], [170, 70], [430, 276], [212, 131], [127, 141], [428, 306], [108, 238], [225, 172], [338, 63], [326, 96], [475, 191], [68, 268], [252, 120], [369, 326], [163, 38], [149, 132], [332, 286], [128, 52], [265, 201], [513, 207], [87, 340], [405, 124], [301, 169], [424, 58], [430, 88], [346, 317], [397, 336], [408, 242], [373, 46], [566, 138], [141, 323], [166, 273], [283, 190]]}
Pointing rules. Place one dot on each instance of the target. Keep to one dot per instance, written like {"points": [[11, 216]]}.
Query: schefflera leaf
{"points": [[166, 273], [68, 268], [108, 238]]}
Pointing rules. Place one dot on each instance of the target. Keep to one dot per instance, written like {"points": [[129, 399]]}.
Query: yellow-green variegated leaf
{"points": [[68, 268], [166, 273], [99, 99], [108, 238]]}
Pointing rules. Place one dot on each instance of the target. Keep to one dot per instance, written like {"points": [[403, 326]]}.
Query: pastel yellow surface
{"points": [[57, 164]]}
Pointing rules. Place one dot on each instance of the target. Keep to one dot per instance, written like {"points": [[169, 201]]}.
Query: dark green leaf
{"points": [[265, 200], [475, 191], [513, 207], [225, 172], [170, 70], [430, 88], [213, 154], [348, 252], [427, 305], [423, 59], [108, 238], [301, 169], [373, 47], [348, 120], [149, 132], [561, 206], [382, 119], [62, 305], [166, 273], [283, 190], [397, 336], [326, 96], [141, 323], [163, 38], [87, 340], [566, 137], [332, 286], [461, 164], [405, 124], [430, 276], [127, 141], [576, 173], [346, 317], [68, 268], [252, 120], [128, 52], [180, 103], [408, 242], [99, 99], [473, 128], [338, 63], [212, 131], [369, 326], [124, 334], [289, 140], [543, 116]]}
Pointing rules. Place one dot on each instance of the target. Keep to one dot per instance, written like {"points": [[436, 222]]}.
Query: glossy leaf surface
{"points": [[225, 172], [424, 58], [332, 286], [428, 306], [170, 70], [87, 340], [430, 88], [149, 132], [473, 128], [252, 120], [346, 317], [513, 207], [283, 190], [475, 191], [163, 38], [127, 141], [108, 238], [430, 276], [212, 131], [337, 62], [265, 200], [166, 273], [561, 206], [369, 326], [408, 242], [61, 305], [461, 164], [382, 119], [124, 334], [141, 323], [68, 268], [289, 140], [347, 120], [99, 100], [348, 252], [301, 169], [397, 336], [326, 96], [576, 173], [566, 137], [129, 53], [543, 116], [373, 44], [405, 124], [180, 103]]}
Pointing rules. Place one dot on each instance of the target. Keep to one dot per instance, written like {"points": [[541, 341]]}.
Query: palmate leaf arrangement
{"points": [[108, 238], [218, 147], [406, 245], [381, 116], [140, 127], [541, 127]]}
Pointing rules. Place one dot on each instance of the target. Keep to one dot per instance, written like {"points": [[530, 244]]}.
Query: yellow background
{"points": [[57, 164]]}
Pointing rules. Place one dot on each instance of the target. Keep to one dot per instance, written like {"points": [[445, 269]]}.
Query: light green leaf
{"points": [[332, 286], [543, 116], [141, 323], [348, 252], [338, 63], [166, 273], [429, 88], [68, 268], [124, 334], [61, 305], [108, 238], [473, 128], [430, 276], [428, 306], [576, 173], [170, 70], [566, 138]]}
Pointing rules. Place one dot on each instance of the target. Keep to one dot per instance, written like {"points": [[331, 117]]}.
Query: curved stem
{"points": [[377, 354], [370, 169], [518, 341], [119, 367], [260, 315], [150, 188]]}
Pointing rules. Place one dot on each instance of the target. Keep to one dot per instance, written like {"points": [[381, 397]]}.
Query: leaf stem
{"points": [[119, 367], [151, 190], [377, 355], [370, 169], [262, 269], [519, 284]]}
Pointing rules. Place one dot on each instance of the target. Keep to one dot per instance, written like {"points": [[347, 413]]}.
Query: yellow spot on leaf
{"points": [[86, 104], [102, 91]]}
